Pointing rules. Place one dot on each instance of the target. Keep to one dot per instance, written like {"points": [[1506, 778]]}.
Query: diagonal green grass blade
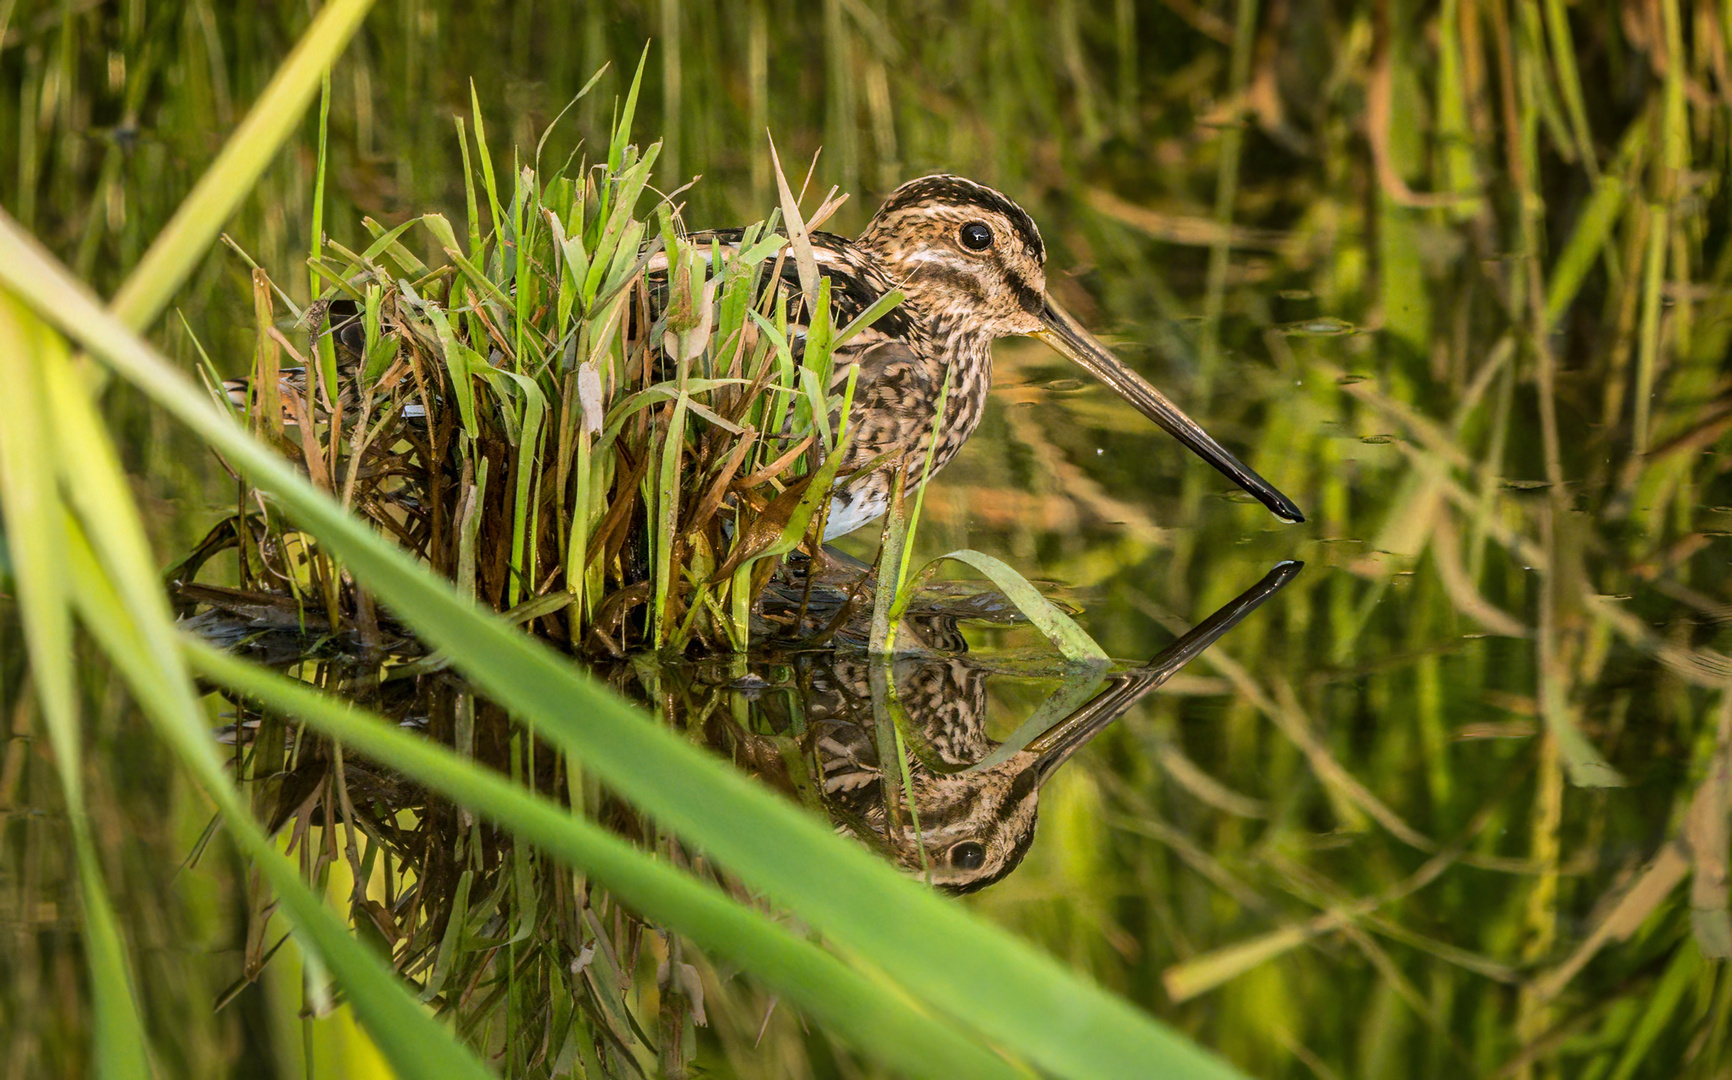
{"points": [[982, 976], [109, 575], [413, 1042], [884, 1025], [35, 529], [248, 152]]}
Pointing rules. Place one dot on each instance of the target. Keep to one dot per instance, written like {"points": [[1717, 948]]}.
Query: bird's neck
{"points": [[964, 355], [945, 305], [954, 344]]}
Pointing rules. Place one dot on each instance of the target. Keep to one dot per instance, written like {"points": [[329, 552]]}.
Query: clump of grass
{"points": [[583, 417]]}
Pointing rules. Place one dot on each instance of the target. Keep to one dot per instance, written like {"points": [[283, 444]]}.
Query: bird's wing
{"points": [[894, 395]]}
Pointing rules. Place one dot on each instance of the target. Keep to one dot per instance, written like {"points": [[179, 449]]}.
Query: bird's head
{"points": [[970, 260], [962, 252]]}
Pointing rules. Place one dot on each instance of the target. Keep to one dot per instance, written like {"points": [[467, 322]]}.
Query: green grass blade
{"points": [[488, 180], [319, 171], [183, 242], [622, 129], [985, 978], [405, 1033], [113, 582], [1594, 226], [1072, 640], [667, 509], [892, 557], [130, 618], [847, 1002], [462, 360], [877, 310], [35, 532]]}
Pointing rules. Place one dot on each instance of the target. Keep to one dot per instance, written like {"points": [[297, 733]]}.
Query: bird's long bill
{"points": [[1054, 746], [1068, 336]]}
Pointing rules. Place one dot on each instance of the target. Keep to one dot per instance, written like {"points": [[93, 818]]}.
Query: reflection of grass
{"points": [[1517, 203]]}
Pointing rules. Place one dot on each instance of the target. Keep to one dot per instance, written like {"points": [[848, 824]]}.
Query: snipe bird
{"points": [[972, 268]]}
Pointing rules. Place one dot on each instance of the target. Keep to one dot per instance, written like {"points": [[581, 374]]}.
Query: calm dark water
{"points": [[1454, 799]]}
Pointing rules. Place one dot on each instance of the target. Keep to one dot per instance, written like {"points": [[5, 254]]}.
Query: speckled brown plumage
{"points": [[971, 265]]}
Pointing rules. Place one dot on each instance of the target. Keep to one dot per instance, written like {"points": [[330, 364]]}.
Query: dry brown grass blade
{"points": [[764, 530], [1699, 667], [1462, 592], [799, 242], [1651, 888], [1349, 795], [1193, 855], [775, 468], [1379, 116], [1290, 717], [711, 500], [1520, 547], [1705, 834], [1189, 230], [1558, 648], [1204, 973], [1205, 788]]}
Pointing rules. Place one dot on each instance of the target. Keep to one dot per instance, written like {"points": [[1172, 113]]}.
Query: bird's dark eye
{"points": [[976, 236], [968, 855]]}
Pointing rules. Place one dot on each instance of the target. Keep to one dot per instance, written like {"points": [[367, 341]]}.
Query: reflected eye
{"points": [[968, 855], [976, 236]]}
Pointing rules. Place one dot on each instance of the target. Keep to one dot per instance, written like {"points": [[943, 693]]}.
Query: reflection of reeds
{"points": [[466, 911], [529, 959]]}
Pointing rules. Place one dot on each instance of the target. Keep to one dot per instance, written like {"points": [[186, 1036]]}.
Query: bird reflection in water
{"points": [[963, 813], [960, 810]]}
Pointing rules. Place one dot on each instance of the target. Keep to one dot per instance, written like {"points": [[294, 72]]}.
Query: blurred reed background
{"points": [[1452, 275]]}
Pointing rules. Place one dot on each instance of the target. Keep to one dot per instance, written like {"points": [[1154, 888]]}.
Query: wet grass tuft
{"points": [[584, 418]]}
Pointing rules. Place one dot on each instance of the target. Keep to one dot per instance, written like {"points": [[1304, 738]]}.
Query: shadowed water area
{"points": [[1453, 799]]}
